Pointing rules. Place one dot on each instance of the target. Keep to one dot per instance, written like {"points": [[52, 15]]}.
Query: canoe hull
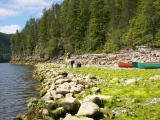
{"points": [[148, 65], [124, 65], [135, 64]]}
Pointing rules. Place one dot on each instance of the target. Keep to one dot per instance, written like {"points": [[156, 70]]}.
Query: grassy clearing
{"points": [[136, 98]]}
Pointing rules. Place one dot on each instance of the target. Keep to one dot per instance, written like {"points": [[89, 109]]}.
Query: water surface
{"points": [[16, 87]]}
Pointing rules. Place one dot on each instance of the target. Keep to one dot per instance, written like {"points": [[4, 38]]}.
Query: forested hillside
{"points": [[90, 26], [5, 51]]}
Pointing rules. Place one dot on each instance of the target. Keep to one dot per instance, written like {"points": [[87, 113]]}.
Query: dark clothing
{"points": [[78, 64], [72, 62]]}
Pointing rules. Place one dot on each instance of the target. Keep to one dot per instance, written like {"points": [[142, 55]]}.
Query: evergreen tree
{"points": [[31, 36], [156, 39], [42, 30], [5, 51], [112, 11], [64, 18], [79, 34], [98, 21], [142, 28], [52, 48]]}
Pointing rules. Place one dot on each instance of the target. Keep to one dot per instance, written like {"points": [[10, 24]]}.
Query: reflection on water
{"points": [[16, 87]]}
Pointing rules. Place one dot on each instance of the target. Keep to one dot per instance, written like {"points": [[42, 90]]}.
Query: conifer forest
{"points": [[5, 51], [90, 26]]}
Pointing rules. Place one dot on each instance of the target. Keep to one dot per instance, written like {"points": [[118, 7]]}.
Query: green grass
{"points": [[133, 97], [105, 73], [142, 88]]}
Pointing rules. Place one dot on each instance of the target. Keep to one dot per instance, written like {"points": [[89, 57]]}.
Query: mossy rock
{"points": [[59, 112], [20, 117], [42, 93]]}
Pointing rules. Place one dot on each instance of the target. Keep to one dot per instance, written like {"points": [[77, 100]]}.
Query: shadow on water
{"points": [[16, 86]]}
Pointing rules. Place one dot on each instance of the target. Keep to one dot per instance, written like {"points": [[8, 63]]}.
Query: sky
{"points": [[15, 13]]}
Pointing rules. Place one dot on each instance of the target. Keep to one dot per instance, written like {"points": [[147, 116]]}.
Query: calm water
{"points": [[16, 87]]}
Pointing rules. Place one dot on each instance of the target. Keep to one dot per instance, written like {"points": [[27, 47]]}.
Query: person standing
{"points": [[71, 60], [67, 61]]}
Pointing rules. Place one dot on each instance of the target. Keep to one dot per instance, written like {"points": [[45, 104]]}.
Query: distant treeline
{"points": [[5, 51], [90, 26]]}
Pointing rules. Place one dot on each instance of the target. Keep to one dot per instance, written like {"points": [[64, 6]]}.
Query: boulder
{"points": [[71, 105], [154, 78], [88, 109], [95, 90], [70, 117], [129, 81]]}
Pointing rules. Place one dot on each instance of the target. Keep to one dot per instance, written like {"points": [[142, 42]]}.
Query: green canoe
{"points": [[135, 64], [148, 65]]}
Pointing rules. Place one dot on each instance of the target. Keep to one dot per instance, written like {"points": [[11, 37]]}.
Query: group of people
{"points": [[70, 62]]}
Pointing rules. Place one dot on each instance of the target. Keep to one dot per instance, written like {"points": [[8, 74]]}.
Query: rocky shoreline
{"points": [[61, 91], [68, 96], [110, 59]]}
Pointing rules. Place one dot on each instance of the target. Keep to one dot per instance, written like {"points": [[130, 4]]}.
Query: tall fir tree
{"points": [[98, 20]]}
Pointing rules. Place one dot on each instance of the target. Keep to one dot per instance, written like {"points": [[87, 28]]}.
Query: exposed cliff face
{"points": [[142, 55]]}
